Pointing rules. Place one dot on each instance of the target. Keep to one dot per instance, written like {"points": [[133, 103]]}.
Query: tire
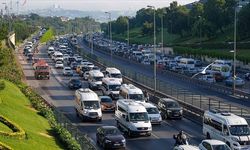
{"points": [[208, 136]]}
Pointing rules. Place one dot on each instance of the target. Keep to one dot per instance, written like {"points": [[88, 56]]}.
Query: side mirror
{"points": [[127, 119], [174, 136]]}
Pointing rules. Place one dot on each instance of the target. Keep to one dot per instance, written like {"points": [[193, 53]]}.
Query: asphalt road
{"points": [[170, 79], [56, 92]]}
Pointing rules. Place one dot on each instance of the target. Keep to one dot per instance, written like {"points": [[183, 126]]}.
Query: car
{"points": [[186, 147], [247, 76], [213, 145], [59, 64], [67, 71], [208, 78], [110, 137], [86, 75], [75, 84], [107, 104], [238, 82], [170, 108], [73, 65], [96, 68]]}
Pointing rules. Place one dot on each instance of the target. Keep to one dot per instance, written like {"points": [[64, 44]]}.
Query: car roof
{"points": [[104, 97], [188, 147], [214, 142], [108, 127]]}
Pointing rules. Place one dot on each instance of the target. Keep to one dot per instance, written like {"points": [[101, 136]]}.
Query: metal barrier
{"points": [[191, 102]]}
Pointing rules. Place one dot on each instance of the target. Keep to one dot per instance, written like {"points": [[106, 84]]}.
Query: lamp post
{"points": [[152, 7], [110, 32], [128, 31]]}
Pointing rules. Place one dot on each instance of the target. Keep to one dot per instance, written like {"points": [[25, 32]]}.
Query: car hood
{"points": [[115, 138]]}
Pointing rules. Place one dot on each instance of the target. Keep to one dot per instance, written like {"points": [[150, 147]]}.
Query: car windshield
{"points": [[114, 87], [106, 100], [117, 75], [138, 97], [75, 81], [112, 132], [139, 116], [239, 130], [152, 110], [172, 105], [98, 78], [91, 104], [221, 147]]}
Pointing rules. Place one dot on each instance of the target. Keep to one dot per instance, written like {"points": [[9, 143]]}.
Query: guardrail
{"points": [[215, 87], [193, 104]]}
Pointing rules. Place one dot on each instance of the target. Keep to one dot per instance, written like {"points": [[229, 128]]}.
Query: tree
{"points": [[244, 22], [147, 28]]}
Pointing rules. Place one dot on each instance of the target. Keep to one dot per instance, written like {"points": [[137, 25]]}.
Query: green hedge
{"points": [[18, 132], [4, 146], [242, 55]]}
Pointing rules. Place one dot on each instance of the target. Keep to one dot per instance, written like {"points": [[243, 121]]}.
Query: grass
{"points": [[137, 37], [48, 36], [17, 108], [4, 128]]}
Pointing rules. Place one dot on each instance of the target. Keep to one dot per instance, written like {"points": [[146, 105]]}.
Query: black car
{"points": [[73, 65], [75, 84], [170, 108], [110, 137]]}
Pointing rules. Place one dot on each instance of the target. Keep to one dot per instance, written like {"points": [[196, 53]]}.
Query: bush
{"points": [[2, 85]]}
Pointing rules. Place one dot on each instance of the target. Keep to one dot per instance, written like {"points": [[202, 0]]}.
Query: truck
{"points": [[42, 69]]}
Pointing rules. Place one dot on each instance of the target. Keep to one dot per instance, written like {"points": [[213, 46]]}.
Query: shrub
{"points": [[2, 85]]}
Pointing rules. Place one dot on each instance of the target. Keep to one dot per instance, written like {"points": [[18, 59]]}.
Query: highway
{"points": [[171, 79], [56, 92]]}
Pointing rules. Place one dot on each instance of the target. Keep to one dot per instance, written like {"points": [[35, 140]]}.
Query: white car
{"points": [[213, 145], [186, 147], [208, 78], [67, 71], [86, 75], [59, 64]]}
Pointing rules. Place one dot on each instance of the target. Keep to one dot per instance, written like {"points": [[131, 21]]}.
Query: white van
{"points": [[113, 73], [132, 118], [186, 63], [129, 91], [226, 127], [58, 56], [153, 113], [87, 104], [95, 79], [111, 87]]}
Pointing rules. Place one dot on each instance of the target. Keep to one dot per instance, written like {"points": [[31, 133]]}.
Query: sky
{"points": [[90, 5]]}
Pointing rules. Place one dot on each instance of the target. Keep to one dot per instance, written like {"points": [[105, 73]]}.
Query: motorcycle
{"points": [[180, 141]]}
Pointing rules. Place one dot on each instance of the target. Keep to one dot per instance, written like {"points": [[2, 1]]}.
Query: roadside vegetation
{"points": [[206, 25], [35, 126], [48, 36], [17, 108]]}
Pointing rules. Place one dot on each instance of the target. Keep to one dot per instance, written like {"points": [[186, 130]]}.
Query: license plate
{"points": [[117, 144], [142, 133]]}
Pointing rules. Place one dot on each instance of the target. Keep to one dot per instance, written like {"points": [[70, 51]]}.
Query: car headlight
{"points": [[123, 141], [107, 141], [181, 111], [234, 139], [169, 111]]}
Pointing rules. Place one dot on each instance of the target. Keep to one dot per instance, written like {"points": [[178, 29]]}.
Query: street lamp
{"points": [[110, 32], [235, 40], [128, 31], [152, 7]]}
